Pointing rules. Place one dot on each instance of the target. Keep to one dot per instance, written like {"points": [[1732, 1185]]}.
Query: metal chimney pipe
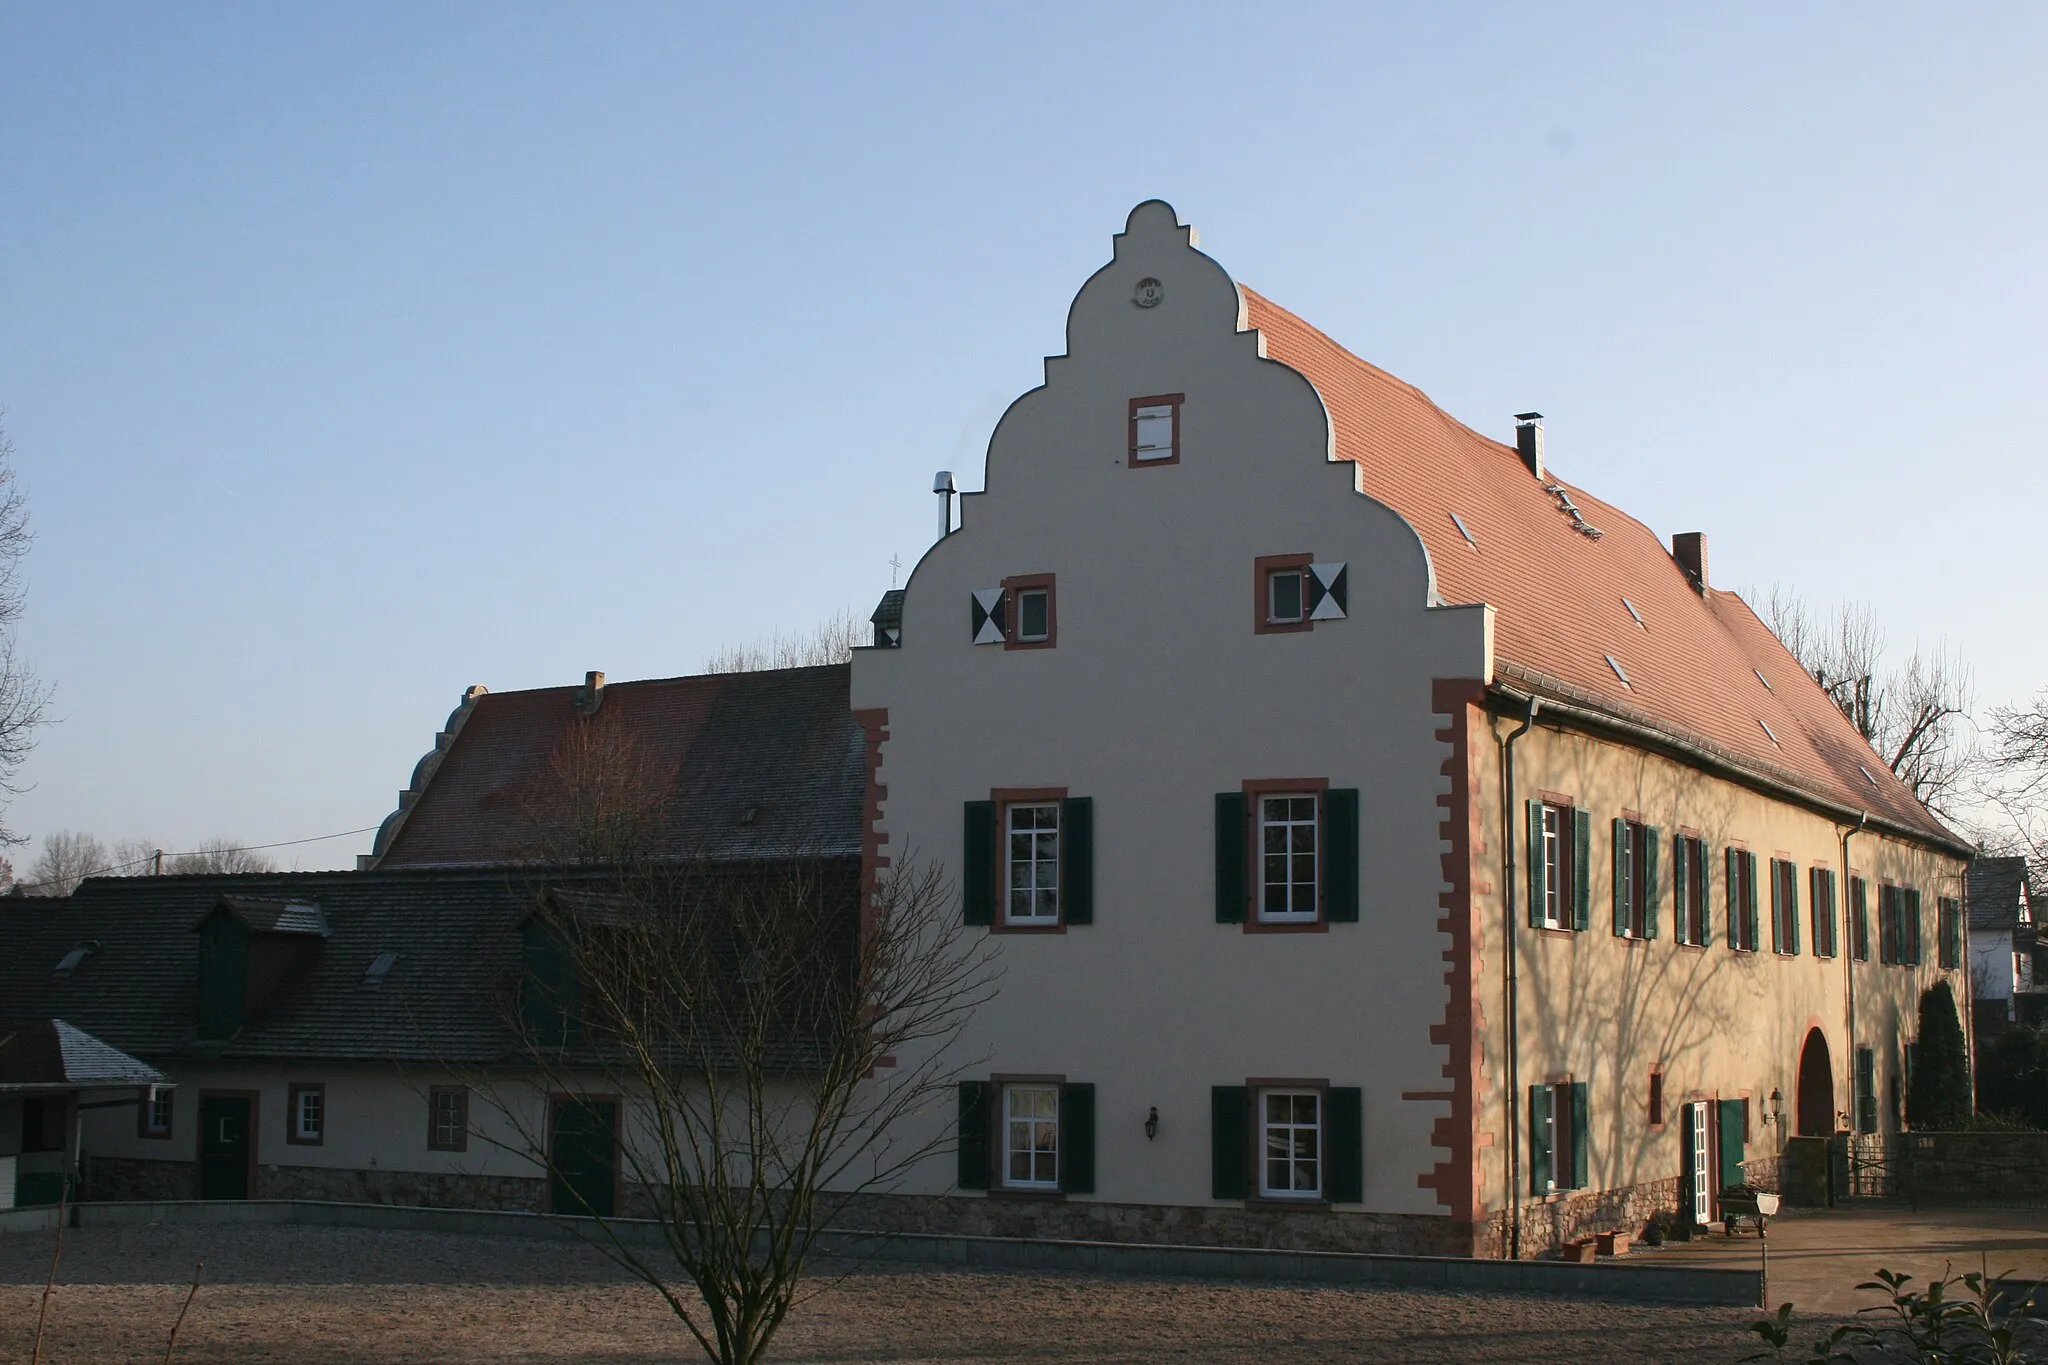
{"points": [[942, 484]]}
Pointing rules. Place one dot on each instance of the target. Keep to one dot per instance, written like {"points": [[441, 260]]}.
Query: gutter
{"points": [[1514, 1058], [1849, 957]]}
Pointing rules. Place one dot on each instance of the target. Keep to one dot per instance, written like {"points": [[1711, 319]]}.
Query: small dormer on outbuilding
{"points": [[251, 953]]}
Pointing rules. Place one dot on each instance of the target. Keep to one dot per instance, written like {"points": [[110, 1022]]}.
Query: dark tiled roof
{"points": [[736, 765], [277, 916], [1696, 662], [1994, 889], [52, 1053], [455, 934]]}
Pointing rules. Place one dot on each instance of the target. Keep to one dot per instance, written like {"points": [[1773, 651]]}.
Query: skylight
{"points": [[1618, 672], [379, 969], [1633, 612], [1772, 733], [69, 963], [1464, 530], [1866, 774], [1762, 679]]}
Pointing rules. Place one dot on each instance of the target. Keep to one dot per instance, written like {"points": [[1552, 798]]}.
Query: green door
{"points": [[224, 1137], [584, 1155], [1734, 1142]]}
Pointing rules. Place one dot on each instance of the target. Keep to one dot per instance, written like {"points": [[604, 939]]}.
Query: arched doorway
{"points": [[1816, 1087]]}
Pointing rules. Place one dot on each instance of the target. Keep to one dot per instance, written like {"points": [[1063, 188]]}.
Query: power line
{"points": [[192, 853]]}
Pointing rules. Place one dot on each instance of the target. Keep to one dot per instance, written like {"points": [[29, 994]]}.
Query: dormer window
{"points": [[1155, 430]]}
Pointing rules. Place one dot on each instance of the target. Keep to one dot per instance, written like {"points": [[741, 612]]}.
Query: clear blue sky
{"points": [[356, 353]]}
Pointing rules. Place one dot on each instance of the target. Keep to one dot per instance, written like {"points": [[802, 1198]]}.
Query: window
{"points": [[448, 1118], [1287, 858], [1284, 597], [1635, 879], [45, 1123], [1950, 934], [1559, 840], [1155, 429], [1784, 906], [1557, 1137], [1291, 1143], [305, 1114], [1822, 893], [1028, 861], [1031, 1137], [1032, 839], [1293, 592], [1689, 888], [1898, 926], [1029, 620], [1866, 1090], [1742, 920], [1656, 1099], [1909, 917], [1859, 919], [155, 1110], [1034, 616]]}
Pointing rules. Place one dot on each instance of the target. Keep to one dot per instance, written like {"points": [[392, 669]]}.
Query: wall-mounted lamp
{"points": [[1152, 1124], [1778, 1108]]}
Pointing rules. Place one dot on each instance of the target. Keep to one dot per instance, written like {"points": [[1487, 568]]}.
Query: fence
{"points": [[1942, 1168]]}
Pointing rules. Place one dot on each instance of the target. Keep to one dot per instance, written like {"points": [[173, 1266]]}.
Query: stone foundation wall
{"points": [[417, 1188], [1548, 1226], [120, 1177]]}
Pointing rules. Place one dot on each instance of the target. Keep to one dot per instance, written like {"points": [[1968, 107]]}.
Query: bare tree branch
{"points": [[831, 641], [23, 698]]}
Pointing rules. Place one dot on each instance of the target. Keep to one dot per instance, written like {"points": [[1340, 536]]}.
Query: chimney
{"points": [[1529, 440], [942, 484], [1689, 548], [592, 696]]}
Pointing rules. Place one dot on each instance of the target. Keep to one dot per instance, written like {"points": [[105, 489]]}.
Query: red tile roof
{"points": [[1693, 664]]}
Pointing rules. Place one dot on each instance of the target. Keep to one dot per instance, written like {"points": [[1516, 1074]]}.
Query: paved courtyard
{"points": [[349, 1295]]}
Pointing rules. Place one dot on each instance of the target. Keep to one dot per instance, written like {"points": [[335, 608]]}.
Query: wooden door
{"points": [[226, 1146]]}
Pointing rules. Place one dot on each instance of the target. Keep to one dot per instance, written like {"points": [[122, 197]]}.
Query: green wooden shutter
{"points": [[1734, 1143], [1866, 1090], [1620, 861], [1340, 855], [1077, 860], [1792, 906], [1653, 848], [1542, 1102], [1344, 1122], [977, 1101], [978, 865], [1704, 870], [224, 977], [1909, 905], [1580, 1092], [1077, 1138], [1582, 869], [1230, 1119], [1750, 927], [1537, 882], [1231, 850], [1734, 898], [1680, 926]]}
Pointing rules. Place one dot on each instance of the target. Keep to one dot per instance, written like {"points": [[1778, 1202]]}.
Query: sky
{"points": [[353, 354]]}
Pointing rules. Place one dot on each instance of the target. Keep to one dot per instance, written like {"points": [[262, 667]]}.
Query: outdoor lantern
{"points": [[1778, 1108], [1152, 1124]]}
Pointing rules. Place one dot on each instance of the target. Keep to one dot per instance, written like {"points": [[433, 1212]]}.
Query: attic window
{"points": [[747, 814], [1866, 774], [69, 963], [1762, 679], [379, 970], [1773, 733], [1633, 612], [1464, 530], [1619, 673]]}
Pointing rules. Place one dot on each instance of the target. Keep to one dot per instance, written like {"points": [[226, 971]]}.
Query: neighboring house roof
{"points": [[50, 1054], [1694, 660], [745, 765], [453, 937], [1995, 889]]}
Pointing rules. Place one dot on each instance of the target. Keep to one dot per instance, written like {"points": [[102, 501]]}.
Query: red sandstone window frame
{"points": [[1656, 1099], [1744, 931], [1689, 893], [1014, 589], [1784, 907], [1264, 569], [1157, 400], [1256, 790], [1822, 911], [1004, 799]]}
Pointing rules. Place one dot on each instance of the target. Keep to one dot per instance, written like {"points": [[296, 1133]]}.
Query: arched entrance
{"points": [[1816, 1087]]}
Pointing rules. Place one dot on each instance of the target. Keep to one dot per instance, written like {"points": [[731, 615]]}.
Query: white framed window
{"points": [[1034, 616], [1554, 846], [305, 1113], [156, 1111], [1291, 1144], [1287, 858], [1031, 1136], [448, 1118], [1032, 851], [1286, 597]]}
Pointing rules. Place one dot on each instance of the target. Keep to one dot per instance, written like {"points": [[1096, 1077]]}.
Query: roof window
{"points": [[1464, 530], [1633, 612], [1772, 733], [1866, 774], [69, 963], [379, 970], [1619, 673], [1762, 679]]}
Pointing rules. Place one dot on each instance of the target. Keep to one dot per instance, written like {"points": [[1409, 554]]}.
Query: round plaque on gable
{"points": [[1148, 293]]}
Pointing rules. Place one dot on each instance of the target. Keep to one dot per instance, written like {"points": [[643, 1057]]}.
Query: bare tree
{"points": [[2015, 787], [1914, 714], [134, 857], [831, 641], [220, 855], [778, 1034], [66, 859], [23, 698]]}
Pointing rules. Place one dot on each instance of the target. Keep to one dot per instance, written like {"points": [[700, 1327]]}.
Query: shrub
{"points": [[1939, 1095], [2012, 1075]]}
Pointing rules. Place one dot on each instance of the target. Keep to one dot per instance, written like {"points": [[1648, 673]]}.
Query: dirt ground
{"points": [[344, 1295]]}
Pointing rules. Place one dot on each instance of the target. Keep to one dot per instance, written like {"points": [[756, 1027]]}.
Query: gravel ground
{"points": [[344, 1295]]}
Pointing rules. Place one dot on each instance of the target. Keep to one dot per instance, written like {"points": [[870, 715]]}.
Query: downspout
{"points": [[1849, 958], [1514, 1069]]}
